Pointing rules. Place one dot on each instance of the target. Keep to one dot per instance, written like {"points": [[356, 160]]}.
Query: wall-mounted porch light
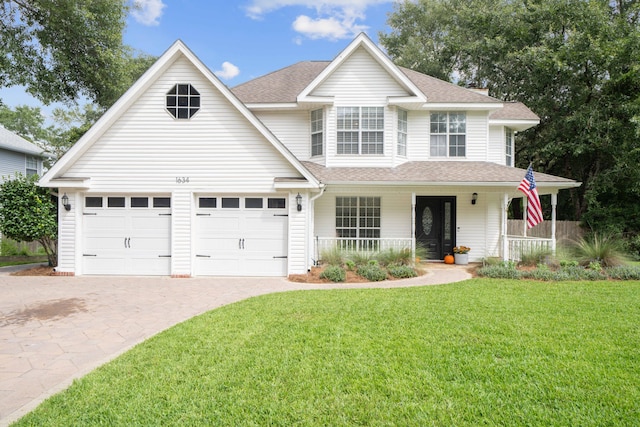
{"points": [[299, 202], [474, 198], [65, 202]]}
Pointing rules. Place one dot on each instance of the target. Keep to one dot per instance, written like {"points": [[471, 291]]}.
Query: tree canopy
{"points": [[574, 63], [61, 50]]}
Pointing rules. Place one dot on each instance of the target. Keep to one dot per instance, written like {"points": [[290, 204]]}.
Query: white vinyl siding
{"points": [[146, 149], [292, 129]]}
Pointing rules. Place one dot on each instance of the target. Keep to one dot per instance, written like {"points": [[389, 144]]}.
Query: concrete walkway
{"points": [[56, 329]]}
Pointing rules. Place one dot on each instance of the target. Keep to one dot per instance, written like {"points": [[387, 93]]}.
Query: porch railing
{"points": [[519, 245], [365, 244]]}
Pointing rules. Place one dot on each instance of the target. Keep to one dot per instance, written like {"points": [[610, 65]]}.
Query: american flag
{"points": [[534, 210]]}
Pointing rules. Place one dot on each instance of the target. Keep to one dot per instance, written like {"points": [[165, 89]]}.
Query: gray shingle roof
{"points": [[13, 142], [433, 172], [284, 86]]}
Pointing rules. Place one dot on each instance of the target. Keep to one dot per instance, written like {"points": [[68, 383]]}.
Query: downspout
{"points": [[312, 226]]}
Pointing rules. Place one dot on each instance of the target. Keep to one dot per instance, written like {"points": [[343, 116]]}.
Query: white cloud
{"points": [[228, 71], [148, 12], [335, 19]]}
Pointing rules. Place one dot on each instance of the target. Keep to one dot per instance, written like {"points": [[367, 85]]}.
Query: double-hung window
{"points": [[508, 147], [358, 218], [31, 166], [360, 130], [448, 134], [317, 132], [402, 132]]}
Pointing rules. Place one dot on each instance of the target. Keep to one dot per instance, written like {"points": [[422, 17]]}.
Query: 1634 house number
{"points": [[182, 179]]}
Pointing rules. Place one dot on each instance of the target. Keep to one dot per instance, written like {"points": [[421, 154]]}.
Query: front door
{"points": [[435, 225]]}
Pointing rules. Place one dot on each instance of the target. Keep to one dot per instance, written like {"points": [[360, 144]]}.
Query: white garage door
{"points": [[127, 235], [241, 236]]}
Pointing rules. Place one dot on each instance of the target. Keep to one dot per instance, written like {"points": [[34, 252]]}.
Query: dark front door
{"points": [[435, 225]]}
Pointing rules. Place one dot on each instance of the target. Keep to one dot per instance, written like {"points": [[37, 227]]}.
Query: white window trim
{"points": [[319, 130], [448, 134], [403, 131], [359, 129]]}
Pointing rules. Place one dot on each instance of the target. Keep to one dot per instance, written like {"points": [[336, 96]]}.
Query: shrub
{"points": [[401, 271], [605, 249], [504, 270], [534, 256], [332, 256], [350, 265], [334, 273], [624, 272], [372, 272], [360, 258], [394, 256]]}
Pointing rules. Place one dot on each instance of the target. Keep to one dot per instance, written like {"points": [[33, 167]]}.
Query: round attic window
{"points": [[183, 101]]}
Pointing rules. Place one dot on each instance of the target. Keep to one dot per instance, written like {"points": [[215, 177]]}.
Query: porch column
{"points": [[554, 202], [505, 240], [525, 207], [413, 226]]}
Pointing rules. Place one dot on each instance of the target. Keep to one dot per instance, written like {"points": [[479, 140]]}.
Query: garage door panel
{"points": [[217, 266], [126, 241], [100, 244], [241, 242]]}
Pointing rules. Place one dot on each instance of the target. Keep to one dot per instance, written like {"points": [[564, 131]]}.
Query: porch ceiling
{"points": [[436, 173]]}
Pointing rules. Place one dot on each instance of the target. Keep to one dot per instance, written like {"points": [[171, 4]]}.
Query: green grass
{"points": [[481, 352]]}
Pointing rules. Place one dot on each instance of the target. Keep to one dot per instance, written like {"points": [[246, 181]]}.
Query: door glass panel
{"points": [[230, 203], [162, 202], [93, 202], [139, 202], [115, 202], [253, 203], [427, 220], [276, 203], [447, 221], [207, 202]]}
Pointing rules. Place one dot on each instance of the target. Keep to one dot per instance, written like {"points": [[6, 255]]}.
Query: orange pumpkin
{"points": [[448, 259]]}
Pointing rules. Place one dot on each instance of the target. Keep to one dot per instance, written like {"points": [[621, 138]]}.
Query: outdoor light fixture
{"points": [[299, 202], [474, 198], [65, 202]]}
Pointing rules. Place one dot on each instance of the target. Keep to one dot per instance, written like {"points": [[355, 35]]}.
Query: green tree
{"points": [[27, 214], [62, 50], [573, 62]]}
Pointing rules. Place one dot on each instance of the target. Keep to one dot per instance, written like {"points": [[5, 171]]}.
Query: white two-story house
{"points": [[184, 176]]}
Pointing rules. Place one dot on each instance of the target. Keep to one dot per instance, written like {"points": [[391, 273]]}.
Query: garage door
{"points": [[241, 236], [127, 235]]}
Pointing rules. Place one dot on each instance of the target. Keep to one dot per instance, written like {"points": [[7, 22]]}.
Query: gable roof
{"points": [[294, 83], [14, 142], [177, 50], [467, 173]]}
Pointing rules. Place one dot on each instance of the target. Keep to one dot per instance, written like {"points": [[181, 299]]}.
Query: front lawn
{"points": [[481, 352]]}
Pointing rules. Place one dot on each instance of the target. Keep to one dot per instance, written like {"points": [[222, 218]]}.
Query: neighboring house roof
{"points": [[14, 142], [435, 173]]}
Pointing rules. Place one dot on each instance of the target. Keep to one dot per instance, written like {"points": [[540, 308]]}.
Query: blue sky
{"points": [[243, 39]]}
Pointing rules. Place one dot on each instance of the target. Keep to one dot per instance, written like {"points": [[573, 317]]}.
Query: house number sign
{"points": [[182, 179]]}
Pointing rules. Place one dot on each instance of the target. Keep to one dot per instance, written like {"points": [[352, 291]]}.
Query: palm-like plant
{"points": [[607, 250]]}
